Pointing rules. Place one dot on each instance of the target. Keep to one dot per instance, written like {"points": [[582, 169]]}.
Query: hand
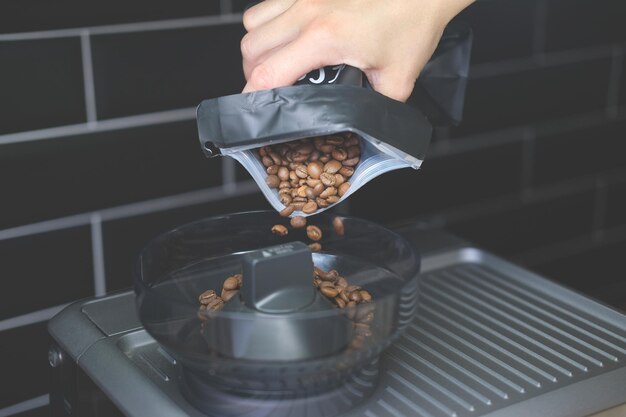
{"points": [[390, 40]]}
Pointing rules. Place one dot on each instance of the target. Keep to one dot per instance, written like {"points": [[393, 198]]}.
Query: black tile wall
{"points": [[589, 271], [440, 183], [242, 5], [144, 72], [581, 152], [52, 178], [622, 86], [35, 15], [528, 227], [503, 29], [45, 270], [41, 84], [616, 205], [24, 360], [534, 96], [37, 412], [124, 239], [580, 23]]}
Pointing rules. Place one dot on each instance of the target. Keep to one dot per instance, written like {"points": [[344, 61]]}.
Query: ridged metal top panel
{"points": [[488, 336]]}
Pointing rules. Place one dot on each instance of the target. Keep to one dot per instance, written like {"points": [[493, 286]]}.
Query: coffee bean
{"points": [[284, 184], [318, 142], [351, 162], [293, 176], [273, 170], [324, 158], [262, 151], [302, 172], [299, 199], [335, 140], [328, 291], [215, 304], [315, 247], [339, 154], [346, 171], [318, 189], [316, 282], [228, 294], [283, 173], [314, 156], [276, 158], [366, 296], [298, 205], [322, 203], [351, 288], [343, 188], [339, 179], [315, 169], [267, 161], [310, 194], [327, 148], [340, 303], [355, 296], [353, 152], [272, 181], [313, 182], [302, 191], [328, 179], [309, 207], [280, 230], [286, 212], [314, 233], [285, 199], [338, 226], [231, 283], [299, 157], [332, 166], [298, 222], [328, 192], [342, 282], [305, 147], [333, 199], [206, 296]]}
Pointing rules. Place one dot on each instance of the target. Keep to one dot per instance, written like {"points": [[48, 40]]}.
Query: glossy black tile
{"points": [[616, 205], [538, 95], [35, 15], [56, 177], [503, 29], [580, 23], [582, 152], [144, 72], [591, 271], [441, 183], [24, 358], [36, 412], [41, 84], [45, 270], [124, 239], [511, 232]]}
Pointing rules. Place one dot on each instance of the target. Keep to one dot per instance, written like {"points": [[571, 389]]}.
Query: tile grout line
{"points": [[27, 405], [226, 6], [146, 119], [31, 318], [206, 195], [541, 25], [612, 99], [97, 248], [88, 80], [153, 25]]}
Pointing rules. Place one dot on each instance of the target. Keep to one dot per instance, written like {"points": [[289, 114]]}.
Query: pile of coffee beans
{"points": [[338, 289], [210, 301], [311, 173]]}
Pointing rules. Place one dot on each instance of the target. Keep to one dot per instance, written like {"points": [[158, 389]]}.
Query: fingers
{"points": [[259, 43], [290, 62], [264, 12]]}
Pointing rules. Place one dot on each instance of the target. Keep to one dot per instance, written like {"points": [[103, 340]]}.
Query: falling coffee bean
{"points": [[315, 247], [314, 233], [298, 222], [338, 226], [280, 230]]}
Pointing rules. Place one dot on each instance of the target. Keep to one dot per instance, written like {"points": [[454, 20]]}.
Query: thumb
{"points": [[394, 85]]}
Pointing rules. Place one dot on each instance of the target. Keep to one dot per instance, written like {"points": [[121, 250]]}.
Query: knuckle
{"points": [[402, 91], [248, 19], [261, 77]]}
